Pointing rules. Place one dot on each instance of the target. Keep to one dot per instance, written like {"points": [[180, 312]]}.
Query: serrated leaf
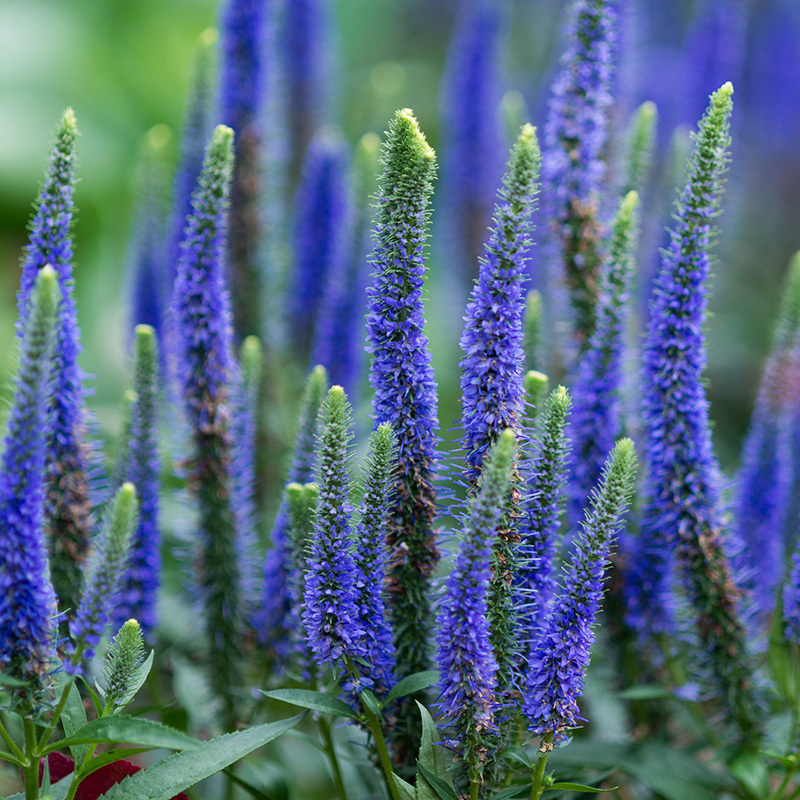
{"points": [[316, 701], [443, 790], [431, 756], [110, 757], [178, 772], [645, 692], [405, 790], [578, 787], [412, 684], [73, 718], [128, 730]]}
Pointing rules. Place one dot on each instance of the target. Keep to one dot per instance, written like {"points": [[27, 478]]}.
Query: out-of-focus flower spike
{"points": [[561, 653], [67, 520], [206, 371], [244, 430], [331, 620], [682, 519], [320, 233], [536, 386], [638, 155], [103, 575], [472, 163], [301, 502], [27, 603], [304, 36], [491, 368], [122, 456], [197, 128], [544, 476], [791, 601], [370, 560], [467, 664], [596, 394], [514, 112], [147, 257], [244, 31], [140, 582], [764, 483], [401, 375], [532, 331], [272, 621], [573, 169], [339, 335]]}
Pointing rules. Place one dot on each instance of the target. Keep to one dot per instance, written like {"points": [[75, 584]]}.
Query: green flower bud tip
{"points": [[208, 38], [408, 129], [535, 385], [126, 654], [47, 286], [158, 138], [627, 209], [789, 314], [252, 358]]}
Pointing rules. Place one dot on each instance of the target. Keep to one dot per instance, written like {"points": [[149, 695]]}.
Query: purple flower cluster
{"points": [[491, 379], [27, 602]]}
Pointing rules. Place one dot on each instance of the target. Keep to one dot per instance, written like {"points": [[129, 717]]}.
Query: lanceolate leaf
{"points": [[182, 770], [316, 701], [412, 684], [130, 730]]}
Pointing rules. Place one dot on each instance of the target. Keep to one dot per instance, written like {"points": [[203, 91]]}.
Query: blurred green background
{"points": [[123, 66]]}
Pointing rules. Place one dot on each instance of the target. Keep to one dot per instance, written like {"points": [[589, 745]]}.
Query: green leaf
{"points": [[645, 692], [789, 761], [518, 755], [178, 772], [130, 730], [405, 790], [316, 701], [73, 718], [751, 771], [782, 658], [578, 787], [444, 790], [412, 684], [514, 792], [431, 756], [370, 702]]}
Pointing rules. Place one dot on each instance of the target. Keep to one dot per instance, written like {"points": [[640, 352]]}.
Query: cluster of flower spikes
{"points": [[573, 168], [139, 463], [343, 612], [67, 488], [401, 375], [467, 664], [560, 656], [682, 522], [491, 377], [764, 483], [273, 622], [27, 601], [205, 371]]}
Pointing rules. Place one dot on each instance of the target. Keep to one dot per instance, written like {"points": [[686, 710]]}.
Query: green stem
{"points": [[12, 745], [474, 789], [537, 771], [780, 790], [325, 730], [383, 752], [31, 769], [51, 726], [78, 774]]}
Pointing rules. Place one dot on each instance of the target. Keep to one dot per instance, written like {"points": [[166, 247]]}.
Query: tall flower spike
{"points": [[763, 486], [472, 150], [597, 403], [196, 130], [561, 654], [682, 516], [402, 376], [67, 495], [205, 370], [370, 560], [244, 431], [573, 170], [638, 155], [272, 621], [539, 526], [467, 663], [791, 601], [27, 603], [244, 28], [339, 334], [320, 232], [140, 581], [330, 616], [302, 505], [147, 257], [491, 377], [122, 664], [303, 42], [102, 578]]}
